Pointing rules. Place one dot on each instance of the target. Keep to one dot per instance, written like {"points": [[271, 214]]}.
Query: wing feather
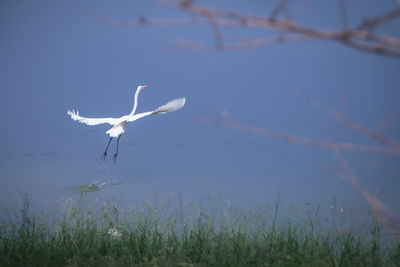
{"points": [[90, 121], [139, 116], [169, 107]]}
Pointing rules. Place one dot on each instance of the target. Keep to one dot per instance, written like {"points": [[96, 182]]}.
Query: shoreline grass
{"points": [[182, 234]]}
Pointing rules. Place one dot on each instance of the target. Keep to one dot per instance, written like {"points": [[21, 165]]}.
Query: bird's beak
{"points": [[144, 86]]}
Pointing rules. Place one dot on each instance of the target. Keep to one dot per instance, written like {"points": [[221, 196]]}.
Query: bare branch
{"points": [[385, 122], [278, 9], [217, 34], [251, 43], [360, 38], [227, 122], [354, 126], [370, 24], [389, 218], [357, 38], [144, 21]]}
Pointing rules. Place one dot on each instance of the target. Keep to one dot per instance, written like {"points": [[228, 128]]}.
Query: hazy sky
{"points": [[55, 57]]}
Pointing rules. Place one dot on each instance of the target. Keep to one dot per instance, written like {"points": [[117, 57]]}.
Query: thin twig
{"points": [[252, 43], [370, 24], [352, 125], [278, 9], [358, 38], [389, 218], [309, 142], [385, 122], [217, 34]]}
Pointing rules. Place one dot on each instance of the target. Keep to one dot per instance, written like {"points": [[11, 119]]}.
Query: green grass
{"points": [[174, 233]]}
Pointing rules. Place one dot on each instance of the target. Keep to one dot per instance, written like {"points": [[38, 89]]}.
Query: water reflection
{"points": [[93, 187]]}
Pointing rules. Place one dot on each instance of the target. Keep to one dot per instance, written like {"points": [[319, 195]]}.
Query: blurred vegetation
{"points": [[177, 233]]}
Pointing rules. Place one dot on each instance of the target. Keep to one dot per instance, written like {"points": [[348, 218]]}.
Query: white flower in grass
{"points": [[113, 232]]}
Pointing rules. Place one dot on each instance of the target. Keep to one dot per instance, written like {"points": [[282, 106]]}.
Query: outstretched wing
{"points": [[169, 107], [90, 121], [139, 116]]}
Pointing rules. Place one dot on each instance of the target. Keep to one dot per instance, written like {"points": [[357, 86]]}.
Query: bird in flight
{"points": [[119, 124]]}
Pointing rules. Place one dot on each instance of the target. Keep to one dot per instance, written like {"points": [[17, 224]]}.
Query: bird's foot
{"points": [[103, 157], [115, 157]]}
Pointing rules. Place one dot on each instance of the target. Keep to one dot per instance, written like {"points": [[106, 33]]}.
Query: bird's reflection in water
{"points": [[93, 187]]}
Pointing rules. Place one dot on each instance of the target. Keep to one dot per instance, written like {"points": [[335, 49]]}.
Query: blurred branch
{"points": [[389, 219], [217, 34], [370, 24], [361, 38], [230, 123], [252, 43], [385, 122], [279, 8], [354, 126]]}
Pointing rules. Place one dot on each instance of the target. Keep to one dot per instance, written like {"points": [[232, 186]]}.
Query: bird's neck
{"points": [[135, 102]]}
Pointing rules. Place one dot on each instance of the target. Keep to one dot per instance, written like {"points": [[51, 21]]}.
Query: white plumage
{"points": [[119, 124]]}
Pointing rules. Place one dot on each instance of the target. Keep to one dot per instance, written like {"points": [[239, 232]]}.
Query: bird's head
{"points": [[139, 88]]}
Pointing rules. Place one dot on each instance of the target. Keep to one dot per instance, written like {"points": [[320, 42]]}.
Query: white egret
{"points": [[119, 124]]}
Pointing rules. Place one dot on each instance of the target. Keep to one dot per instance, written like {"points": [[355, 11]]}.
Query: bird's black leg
{"points": [[116, 152], [105, 152]]}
